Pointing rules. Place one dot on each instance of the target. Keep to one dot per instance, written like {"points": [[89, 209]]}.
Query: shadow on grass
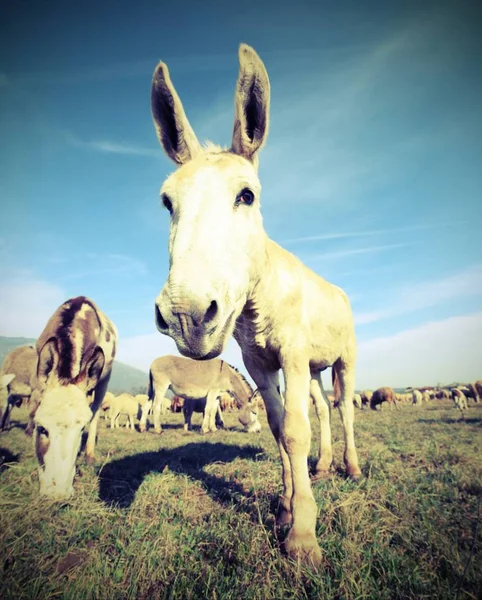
{"points": [[14, 425], [460, 420], [6, 458], [120, 479]]}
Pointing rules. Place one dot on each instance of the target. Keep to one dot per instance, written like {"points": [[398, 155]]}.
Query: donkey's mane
{"points": [[242, 377], [213, 148]]}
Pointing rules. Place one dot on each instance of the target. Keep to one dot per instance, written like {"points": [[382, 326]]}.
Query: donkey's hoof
{"points": [[353, 473], [303, 548], [284, 517], [90, 460], [320, 474]]}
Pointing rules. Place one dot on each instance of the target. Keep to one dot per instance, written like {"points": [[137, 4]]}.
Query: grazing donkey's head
{"points": [[62, 414], [216, 231]]}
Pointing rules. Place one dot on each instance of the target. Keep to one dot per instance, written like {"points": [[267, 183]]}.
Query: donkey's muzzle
{"points": [[193, 325], [190, 318], [161, 324]]}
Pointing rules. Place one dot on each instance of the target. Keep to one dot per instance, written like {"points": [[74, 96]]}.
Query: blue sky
{"points": [[371, 173]]}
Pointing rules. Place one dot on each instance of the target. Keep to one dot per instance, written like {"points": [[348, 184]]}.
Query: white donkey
{"points": [[75, 355], [226, 276]]}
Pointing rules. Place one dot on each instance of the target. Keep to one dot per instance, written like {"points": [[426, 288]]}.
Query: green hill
{"points": [[124, 378]]}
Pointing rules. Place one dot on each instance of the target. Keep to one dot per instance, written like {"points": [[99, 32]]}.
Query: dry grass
{"points": [[189, 516]]}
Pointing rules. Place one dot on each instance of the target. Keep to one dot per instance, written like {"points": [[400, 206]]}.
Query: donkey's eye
{"points": [[167, 203], [246, 196], [42, 431]]}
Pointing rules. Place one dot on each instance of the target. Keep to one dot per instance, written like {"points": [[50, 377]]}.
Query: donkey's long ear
{"points": [[93, 371], [251, 105], [6, 379], [173, 129], [47, 361]]}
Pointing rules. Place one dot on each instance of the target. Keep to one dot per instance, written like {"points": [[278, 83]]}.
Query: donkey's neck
{"points": [[239, 386], [277, 277]]}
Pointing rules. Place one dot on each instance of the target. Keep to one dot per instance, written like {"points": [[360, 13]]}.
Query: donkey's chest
{"points": [[256, 340]]}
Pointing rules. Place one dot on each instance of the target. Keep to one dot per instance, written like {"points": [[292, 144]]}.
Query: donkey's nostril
{"points": [[161, 324], [211, 312]]}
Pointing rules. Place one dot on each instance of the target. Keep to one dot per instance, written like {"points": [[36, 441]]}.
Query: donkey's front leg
{"points": [[301, 542], [100, 390], [212, 403], [323, 410], [91, 439], [187, 412], [156, 412], [268, 386], [345, 374], [144, 412]]}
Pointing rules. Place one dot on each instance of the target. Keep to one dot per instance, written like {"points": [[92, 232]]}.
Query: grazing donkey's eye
{"points": [[167, 203], [42, 431], [246, 196]]}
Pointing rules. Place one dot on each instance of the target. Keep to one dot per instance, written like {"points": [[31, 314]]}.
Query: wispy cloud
{"points": [[112, 147], [26, 304], [201, 61], [82, 75], [370, 232], [411, 297], [354, 251], [436, 352], [107, 264]]}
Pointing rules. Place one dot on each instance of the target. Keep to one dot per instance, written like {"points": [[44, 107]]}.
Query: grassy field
{"points": [[188, 516]]}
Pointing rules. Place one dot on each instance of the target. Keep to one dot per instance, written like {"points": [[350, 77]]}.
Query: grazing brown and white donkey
{"points": [[75, 355], [227, 277], [195, 380]]}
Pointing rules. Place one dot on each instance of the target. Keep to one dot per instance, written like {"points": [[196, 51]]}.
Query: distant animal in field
{"points": [[470, 391], [166, 404], [199, 405], [443, 394], [124, 404], [5, 380], [22, 363], [142, 398], [194, 380], [177, 404], [104, 409], [357, 401], [426, 396], [417, 398], [459, 399], [226, 402], [75, 351], [383, 394], [478, 389], [366, 396], [248, 416]]}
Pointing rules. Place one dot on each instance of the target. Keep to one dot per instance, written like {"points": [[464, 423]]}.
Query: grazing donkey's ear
{"points": [[6, 379], [251, 105], [93, 371], [47, 361], [173, 129]]}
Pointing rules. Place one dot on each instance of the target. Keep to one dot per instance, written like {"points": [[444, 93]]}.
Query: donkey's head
{"points": [[62, 414], [216, 233]]}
